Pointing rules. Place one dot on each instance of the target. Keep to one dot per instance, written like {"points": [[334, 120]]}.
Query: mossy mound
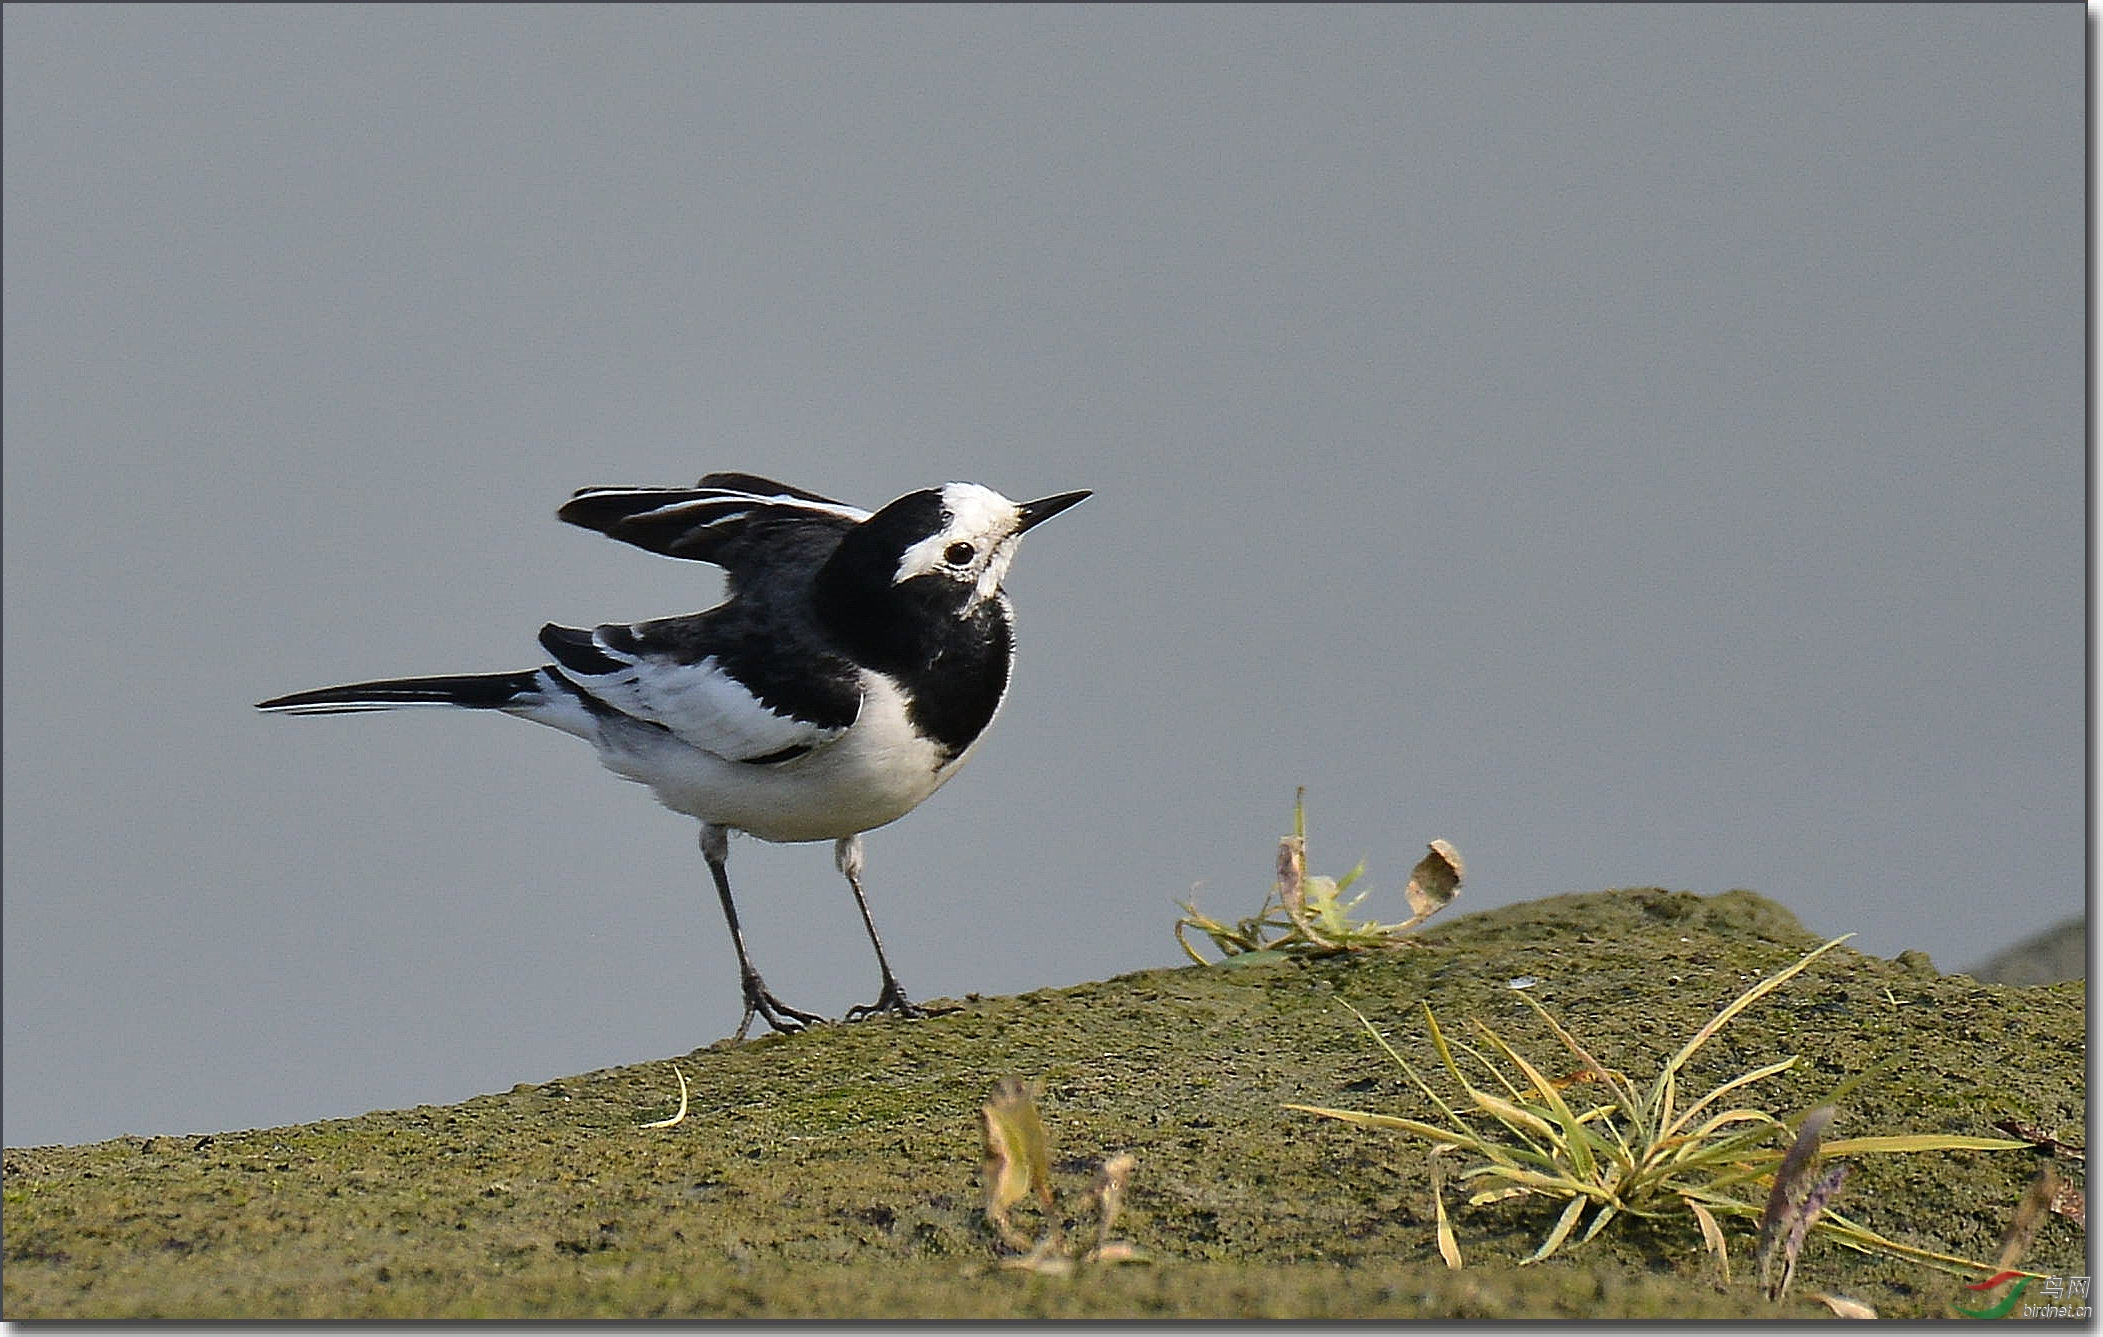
{"points": [[834, 1174]]}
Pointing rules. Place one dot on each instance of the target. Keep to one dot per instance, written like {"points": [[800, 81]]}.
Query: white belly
{"points": [[876, 772]]}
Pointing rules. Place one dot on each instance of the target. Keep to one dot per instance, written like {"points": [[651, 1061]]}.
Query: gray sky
{"points": [[1640, 445]]}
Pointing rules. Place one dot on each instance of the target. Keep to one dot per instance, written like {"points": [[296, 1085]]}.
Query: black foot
{"points": [[777, 1014], [893, 1002]]}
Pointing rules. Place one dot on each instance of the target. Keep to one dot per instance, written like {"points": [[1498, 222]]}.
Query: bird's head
{"points": [[950, 544]]}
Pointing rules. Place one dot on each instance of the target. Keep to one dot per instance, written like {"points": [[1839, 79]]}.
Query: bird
{"points": [[850, 670]]}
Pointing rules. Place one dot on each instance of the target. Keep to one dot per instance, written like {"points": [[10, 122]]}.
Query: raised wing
{"points": [[723, 519], [711, 690]]}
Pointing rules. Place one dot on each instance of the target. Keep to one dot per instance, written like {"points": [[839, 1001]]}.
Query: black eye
{"points": [[959, 554]]}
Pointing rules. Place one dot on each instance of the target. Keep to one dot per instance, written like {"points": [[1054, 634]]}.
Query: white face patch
{"points": [[980, 520]]}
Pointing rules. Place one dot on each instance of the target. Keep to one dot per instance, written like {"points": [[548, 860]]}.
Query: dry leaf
{"points": [[1109, 1194], [1442, 1228], [1292, 887], [1712, 1235], [1018, 1165], [1843, 1307], [1292, 873], [1045, 1260], [678, 1115], [2038, 1137], [1434, 882], [2072, 1204], [1018, 1157]]}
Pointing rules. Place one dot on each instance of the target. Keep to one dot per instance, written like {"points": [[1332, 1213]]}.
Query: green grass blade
{"points": [[1618, 1087], [1864, 1240], [1461, 1134], [1746, 1000], [1430, 1132], [1857, 1146], [1564, 1224], [1472, 1052], [1576, 1138], [1669, 1164], [1498, 1195], [1445, 1051], [1755, 1172], [1504, 1160], [1709, 1196], [1662, 1092], [1744, 1079], [1515, 1117], [1605, 1214], [1702, 1147], [1429, 1093], [1615, 1145], [1544, 1183], [1846, 1088], [1505, 1155], [1476, 1094], [1657, 1110], [1854, 1235], [1184, 943], [1619, 1150]]}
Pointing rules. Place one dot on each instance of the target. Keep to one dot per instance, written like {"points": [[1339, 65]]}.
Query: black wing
{"points": [[719, 520], [745, 691]]}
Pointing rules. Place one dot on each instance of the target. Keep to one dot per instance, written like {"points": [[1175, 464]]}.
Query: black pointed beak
{"points": [[1036, 512]]}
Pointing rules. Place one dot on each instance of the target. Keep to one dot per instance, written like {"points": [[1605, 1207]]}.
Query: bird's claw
{"points": [[892, 1001], [778, 1015]]}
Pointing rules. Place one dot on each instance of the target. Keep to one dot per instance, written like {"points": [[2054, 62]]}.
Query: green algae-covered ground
{"points": [[835, 1174]]}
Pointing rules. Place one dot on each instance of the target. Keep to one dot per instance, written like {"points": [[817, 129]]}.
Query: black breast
{"points": [[953, 668], [955, 690]]}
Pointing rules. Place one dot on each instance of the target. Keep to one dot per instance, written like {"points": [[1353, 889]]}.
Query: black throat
{"points": [[951, 663]]}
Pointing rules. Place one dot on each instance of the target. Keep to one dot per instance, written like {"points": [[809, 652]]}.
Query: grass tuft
{"points": [[1307, 915], [1643, 1152], [1018, 1165]]}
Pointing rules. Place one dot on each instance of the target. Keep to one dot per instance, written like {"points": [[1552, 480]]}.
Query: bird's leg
{"points": [[715, 848], [847, 854]]}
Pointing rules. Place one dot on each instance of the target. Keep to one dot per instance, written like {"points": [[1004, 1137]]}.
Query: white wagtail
{"points": [[852, 668]]}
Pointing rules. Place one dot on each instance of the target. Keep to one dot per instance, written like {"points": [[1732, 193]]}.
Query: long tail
{"points": [[474, 691]]}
